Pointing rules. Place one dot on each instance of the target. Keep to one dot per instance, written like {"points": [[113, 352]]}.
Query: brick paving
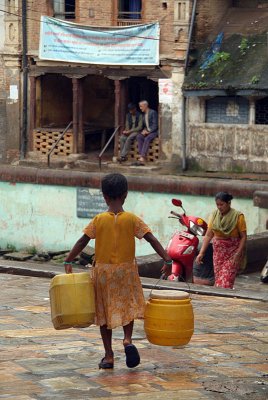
{"points": [[226, 358]]}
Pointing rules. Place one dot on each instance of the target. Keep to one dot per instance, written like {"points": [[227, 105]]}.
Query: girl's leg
{"points": [[128, 329], [132, 354], [106, 335]]}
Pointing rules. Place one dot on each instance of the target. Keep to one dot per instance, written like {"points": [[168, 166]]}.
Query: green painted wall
{"points": [[45, 216]]}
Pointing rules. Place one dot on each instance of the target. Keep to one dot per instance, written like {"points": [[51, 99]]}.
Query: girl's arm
{"points": [[209, 235], [156, 245], [78, 247]]}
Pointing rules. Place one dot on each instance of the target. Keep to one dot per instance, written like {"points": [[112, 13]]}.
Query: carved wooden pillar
{"points": [[32, 110], [119, 109], [81, 136], [38, 121], [116, 113], [75, 114]]}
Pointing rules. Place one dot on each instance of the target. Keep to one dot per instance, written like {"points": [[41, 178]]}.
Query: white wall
{"points": [[45, 216]]}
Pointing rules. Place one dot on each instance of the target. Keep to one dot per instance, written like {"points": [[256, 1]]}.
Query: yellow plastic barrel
{"points": [[72, 301], [169, 318]]}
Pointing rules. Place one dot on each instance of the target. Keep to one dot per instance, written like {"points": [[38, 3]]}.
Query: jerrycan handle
{"points": [[155, 287]]}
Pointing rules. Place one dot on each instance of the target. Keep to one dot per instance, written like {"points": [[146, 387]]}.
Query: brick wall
{"points": [[209, 13], [102, 11], [104, 14], [34, 12]]}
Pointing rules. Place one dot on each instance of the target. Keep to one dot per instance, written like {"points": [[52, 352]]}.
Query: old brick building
{"points": [[10, 64], [94, 97]]}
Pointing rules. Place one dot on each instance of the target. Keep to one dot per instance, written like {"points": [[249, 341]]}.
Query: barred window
{"points": [[130, 9], [64, 9], [227, 110]]}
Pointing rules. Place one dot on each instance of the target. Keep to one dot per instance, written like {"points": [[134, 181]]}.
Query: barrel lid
{"points": [[169, 294]]}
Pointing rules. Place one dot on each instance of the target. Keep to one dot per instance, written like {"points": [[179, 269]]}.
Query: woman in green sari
{"points": [[227, 228]]}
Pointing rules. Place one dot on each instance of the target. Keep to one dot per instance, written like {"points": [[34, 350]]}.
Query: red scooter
{"points": [[182, 247]]}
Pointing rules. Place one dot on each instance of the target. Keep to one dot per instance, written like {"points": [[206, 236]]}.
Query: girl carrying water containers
{"points": [[118, 292]]}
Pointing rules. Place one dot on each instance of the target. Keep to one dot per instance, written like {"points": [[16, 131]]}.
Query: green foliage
{"points": [[11, 247], [243, 46], [219, 63], [195, 166], [236, 169], [201, 84], [220, 57], [255, 79], [31, 250]]}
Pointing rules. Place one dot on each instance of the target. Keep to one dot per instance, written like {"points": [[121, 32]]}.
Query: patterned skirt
{"points": [[118, 294], [225, 269]]}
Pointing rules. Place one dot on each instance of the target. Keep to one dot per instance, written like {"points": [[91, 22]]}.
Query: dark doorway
{"points": [[57, 101], [98, 112], [143, 89], [262, 111]]}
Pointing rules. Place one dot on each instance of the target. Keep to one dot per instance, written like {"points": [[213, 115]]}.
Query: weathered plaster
{"points": [[227, 147], [44, 216]]}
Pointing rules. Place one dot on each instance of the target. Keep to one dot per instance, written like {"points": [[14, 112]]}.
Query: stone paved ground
{"points": [[226, 358]]}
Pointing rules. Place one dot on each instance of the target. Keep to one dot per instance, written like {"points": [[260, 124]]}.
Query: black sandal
{"points": [[105, 365], [122, 159], [132, 356], [138, 164]]}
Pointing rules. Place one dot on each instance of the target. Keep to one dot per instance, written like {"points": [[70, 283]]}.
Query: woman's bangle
{"points": [[68, 263]]}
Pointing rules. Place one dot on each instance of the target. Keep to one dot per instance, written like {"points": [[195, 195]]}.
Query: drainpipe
{"points": [[23, 145], [184, 166], [183, 130], [191, 28]]}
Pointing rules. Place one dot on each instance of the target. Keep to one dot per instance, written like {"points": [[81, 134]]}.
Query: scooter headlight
{"points": [[189, 250], [196, 230]]}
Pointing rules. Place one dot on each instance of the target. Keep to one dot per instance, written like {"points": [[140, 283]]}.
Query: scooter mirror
{"points": [[176, 202]]}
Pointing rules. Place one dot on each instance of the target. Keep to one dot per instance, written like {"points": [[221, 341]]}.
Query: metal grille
{"points": [[227, 110]]}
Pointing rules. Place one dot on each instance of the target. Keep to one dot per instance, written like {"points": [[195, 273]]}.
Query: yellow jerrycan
{"points": [[72, 301], [169, 318]]}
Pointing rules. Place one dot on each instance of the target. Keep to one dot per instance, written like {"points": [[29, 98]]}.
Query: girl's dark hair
{"points": [[224, 196], [114, 185]]}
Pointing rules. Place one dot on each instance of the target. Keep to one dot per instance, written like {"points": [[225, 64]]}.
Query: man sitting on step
{"points": [[149, 132], [132, 127]]}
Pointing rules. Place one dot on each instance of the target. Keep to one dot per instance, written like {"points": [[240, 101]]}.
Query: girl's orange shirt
{"points": [[115, 236], [240, 227]]}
